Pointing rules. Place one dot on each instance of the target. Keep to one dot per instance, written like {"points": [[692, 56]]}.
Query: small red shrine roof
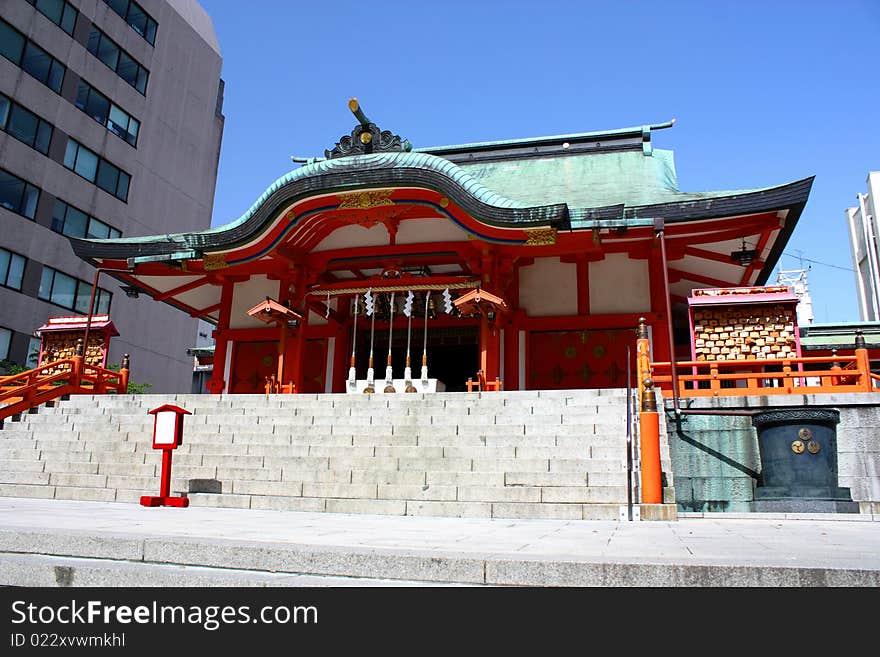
{"points": [[736, 295], [270, 311], [470, 302], [77, 323]]}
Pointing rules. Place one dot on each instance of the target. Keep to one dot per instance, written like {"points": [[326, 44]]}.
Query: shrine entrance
{"points": [[453, 354], [560, 360]]}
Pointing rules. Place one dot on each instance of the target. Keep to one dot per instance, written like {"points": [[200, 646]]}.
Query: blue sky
{"points": [[763, 93]]}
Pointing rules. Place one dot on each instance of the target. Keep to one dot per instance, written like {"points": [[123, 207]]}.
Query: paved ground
{"points": [[71, 543]]}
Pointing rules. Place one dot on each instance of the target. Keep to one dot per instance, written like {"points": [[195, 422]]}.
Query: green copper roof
{"points": [[584, 181], [385, 161]]}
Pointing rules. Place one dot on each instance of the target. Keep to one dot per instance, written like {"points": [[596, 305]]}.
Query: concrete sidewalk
{"points": [[73, 543]]}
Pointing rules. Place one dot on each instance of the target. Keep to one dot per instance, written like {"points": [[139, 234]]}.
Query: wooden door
{"points": [[252, 362], [561, 360]]}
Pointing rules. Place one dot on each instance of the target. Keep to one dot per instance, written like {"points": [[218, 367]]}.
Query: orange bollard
{"points": [[649, 441]]}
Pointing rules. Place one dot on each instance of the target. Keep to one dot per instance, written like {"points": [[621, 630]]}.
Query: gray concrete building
{"points": [[863, 225], [110, 125]]}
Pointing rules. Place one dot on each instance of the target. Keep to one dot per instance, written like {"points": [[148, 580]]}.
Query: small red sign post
{"points": [[167, 436]]}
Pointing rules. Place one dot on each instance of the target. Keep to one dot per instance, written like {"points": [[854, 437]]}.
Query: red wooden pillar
{"points": [[658, 304], [217, 384], [342, 348], [294, 368]]}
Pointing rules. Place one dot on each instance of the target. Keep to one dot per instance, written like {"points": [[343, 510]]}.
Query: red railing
{"points": [[729, 378], [68, 376]]}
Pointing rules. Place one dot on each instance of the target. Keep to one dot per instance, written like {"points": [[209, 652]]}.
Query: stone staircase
{"points": [[523, 454]]}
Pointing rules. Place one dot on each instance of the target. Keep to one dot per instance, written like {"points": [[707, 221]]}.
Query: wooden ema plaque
{"points": [[754, 323]]}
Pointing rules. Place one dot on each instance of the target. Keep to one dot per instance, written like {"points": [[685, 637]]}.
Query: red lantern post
{"points": [[167, 436]]}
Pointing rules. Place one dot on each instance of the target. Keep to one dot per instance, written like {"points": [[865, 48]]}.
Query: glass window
{"points": [[16, 271], [31, 196], [108, 52], [36, 61], [133, 14], [126, 67], [98, 107], [76, 223], [11, 192], [27, 127], [83, 296], [119, 6], [102, 303], [44, 137], [68, 18], [113, 117], [46, 283], [5, 257], [59, 12], [5, 104], [98, 230], [141, 84], [56, 76], [119, 120], [43, 66], [17, 195], [11, 43], [70, 153], [122, 188], [52, 9], [108, 177], [11, 269], [5, 341], [137, 18], [86, 164], [150, 32], [33, 357], [23, 125], [134, 127]]}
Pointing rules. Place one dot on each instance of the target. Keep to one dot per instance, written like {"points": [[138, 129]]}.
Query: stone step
{"points": [[513, 454]]}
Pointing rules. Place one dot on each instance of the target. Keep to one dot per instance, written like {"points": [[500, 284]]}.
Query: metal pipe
{"points": [[629, 500], [98, 271], [659, 227]]}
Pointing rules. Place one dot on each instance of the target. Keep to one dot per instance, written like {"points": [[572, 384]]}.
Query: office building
{"points": [[110, 127]]}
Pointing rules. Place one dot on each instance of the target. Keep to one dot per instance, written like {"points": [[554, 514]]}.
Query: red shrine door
{"points": [[561, 360], [252, 362], [314, 365]]}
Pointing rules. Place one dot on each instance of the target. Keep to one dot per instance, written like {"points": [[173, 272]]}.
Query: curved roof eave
{"points": [[334, 176]]}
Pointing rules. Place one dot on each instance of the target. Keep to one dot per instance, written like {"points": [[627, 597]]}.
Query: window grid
{"points": [[11, 269], [73, 222], [138, 19], [24, 125], [32, 59], [18, 195], [60, 12], [72, 293], [108, 114], [97, 170], [118, 60]]}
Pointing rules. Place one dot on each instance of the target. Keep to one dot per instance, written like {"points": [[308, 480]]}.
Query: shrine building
{"points": [[526, 263]]}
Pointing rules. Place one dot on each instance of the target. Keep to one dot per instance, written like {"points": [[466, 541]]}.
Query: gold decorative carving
{"points": [[214, 261], [797, 447], [805, 433], [541, 237], [813, 447], [365, 200]]}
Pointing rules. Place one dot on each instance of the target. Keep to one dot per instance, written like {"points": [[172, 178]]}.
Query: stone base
{"points": [[430, 385], [803, 505]]}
